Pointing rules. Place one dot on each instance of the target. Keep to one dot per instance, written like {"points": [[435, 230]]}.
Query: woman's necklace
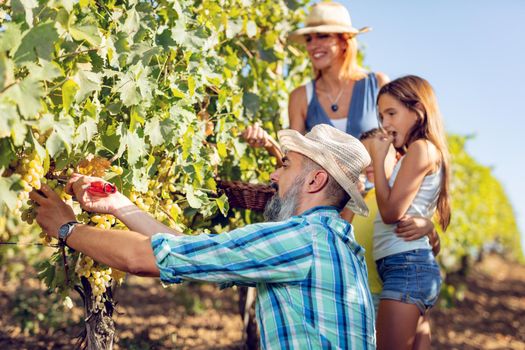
{"points": [[333, 103]]}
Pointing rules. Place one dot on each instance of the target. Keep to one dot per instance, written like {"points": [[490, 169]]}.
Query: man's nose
{"points": [[274, 177]]}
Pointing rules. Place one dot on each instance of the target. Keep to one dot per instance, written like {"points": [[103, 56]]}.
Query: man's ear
{"points": [[316, 180]]}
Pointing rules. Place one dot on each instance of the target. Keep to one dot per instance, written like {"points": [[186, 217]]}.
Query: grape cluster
{"points": [[29, 213], [99, 278], [116, 169], [103, 221], [58, 188], [32, 172]]}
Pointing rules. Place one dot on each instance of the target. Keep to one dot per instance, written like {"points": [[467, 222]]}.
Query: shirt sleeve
{"points": [[270, 252]]}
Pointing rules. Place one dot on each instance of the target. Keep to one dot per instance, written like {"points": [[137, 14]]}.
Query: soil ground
{"points": [[491, 315]]}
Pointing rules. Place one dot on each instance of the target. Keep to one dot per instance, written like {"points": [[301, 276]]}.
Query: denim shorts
{"points": [[411, 277]]}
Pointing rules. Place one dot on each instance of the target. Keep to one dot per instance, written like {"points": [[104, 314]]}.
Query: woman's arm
{"points": [[256, 136], [382, 79], [418, 162], [297, 107]]}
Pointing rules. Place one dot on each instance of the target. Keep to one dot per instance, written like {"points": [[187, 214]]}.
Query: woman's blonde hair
{"points": [[351, 70], [417, 95]]}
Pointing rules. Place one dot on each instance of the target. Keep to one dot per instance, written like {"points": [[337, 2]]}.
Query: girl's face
{"points": [[396, 118], [324, 49]]}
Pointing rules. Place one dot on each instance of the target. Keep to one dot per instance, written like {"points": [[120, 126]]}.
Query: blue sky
{"points": [[473, 53]]}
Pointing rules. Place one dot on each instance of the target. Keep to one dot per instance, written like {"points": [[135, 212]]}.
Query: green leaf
{"points": [[179, 33], [27, 95], [85, 132], [68, 4], [222, 150], [128, 91], [7, 71], [27, 6], [135, 119], [251, 29], [60, 138], [135, 86], [18, 131], [191, 85], [223, 204], [193, 200], [234, 27], [11, 37], [37, 43], [7, 153], [69, 89], [9, 115], [87, 33], [132, 23], [152, 130], [134, 144], [47, 71], [251, 103], [38, 148], [9, 197], [88, 82]]}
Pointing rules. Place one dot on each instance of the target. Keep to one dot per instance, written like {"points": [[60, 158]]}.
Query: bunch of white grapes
{"points": [[98, 276]]}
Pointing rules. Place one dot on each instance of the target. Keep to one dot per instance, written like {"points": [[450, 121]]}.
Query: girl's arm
{"points": [[419, 160]]}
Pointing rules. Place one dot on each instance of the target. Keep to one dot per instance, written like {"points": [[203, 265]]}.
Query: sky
{"points": [[473, 53]]}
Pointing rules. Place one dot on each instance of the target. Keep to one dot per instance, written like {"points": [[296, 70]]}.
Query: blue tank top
{"points": [[362, 114]]}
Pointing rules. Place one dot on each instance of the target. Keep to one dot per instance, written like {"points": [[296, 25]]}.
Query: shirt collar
{"points": [[327, 210]]}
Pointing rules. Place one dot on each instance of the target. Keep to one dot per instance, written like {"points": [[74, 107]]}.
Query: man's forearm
{"points": [[125, 250], [141, 222]]}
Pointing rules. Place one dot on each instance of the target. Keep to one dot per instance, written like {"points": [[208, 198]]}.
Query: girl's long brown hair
{"points": [[417, 95]]}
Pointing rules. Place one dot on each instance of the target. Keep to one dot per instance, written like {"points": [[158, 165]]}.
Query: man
{"points": [[309, 271]]}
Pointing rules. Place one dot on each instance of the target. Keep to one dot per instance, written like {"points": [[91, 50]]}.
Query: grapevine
{"points": [[152, 96]]}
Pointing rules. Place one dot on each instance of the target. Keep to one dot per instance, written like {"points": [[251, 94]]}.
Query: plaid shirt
{"points": [[310, 275]]}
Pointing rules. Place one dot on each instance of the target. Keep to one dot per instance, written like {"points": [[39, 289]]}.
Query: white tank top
{"points": [[386, 242]]}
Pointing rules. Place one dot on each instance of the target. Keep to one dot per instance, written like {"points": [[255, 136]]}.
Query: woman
{"points": [[342, 93]]}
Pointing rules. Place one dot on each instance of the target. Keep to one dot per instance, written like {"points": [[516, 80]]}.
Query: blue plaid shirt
{"points": [[310, 275]]}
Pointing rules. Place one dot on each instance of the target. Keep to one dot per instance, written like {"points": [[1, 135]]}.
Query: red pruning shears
{"points": [[100, 188]]}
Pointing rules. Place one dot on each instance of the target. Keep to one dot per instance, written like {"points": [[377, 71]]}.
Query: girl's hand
{"points": [[256, 136], [104, 204], [379, 147], [411, 228]]}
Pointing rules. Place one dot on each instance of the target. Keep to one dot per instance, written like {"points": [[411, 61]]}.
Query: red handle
{"points": [[101, 188]]}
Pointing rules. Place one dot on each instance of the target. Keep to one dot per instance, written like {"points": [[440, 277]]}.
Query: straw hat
{"points": [[327, 17], [340, 154]]}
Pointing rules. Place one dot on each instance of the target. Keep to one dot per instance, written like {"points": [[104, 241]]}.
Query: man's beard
{"points": [[280, 209]]}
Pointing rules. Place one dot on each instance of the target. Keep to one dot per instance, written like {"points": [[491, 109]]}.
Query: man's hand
{"points": [[104, 204], [52, 211]]}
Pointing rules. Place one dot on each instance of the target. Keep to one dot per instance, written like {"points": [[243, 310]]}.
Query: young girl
{"points": [[409, 115]]}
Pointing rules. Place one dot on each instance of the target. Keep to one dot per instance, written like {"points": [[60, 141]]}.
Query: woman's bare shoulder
{"points": [[298, 92], [382, 78]]}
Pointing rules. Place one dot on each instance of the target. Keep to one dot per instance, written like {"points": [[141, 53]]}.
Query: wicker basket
{"points": [[246, 195]]}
